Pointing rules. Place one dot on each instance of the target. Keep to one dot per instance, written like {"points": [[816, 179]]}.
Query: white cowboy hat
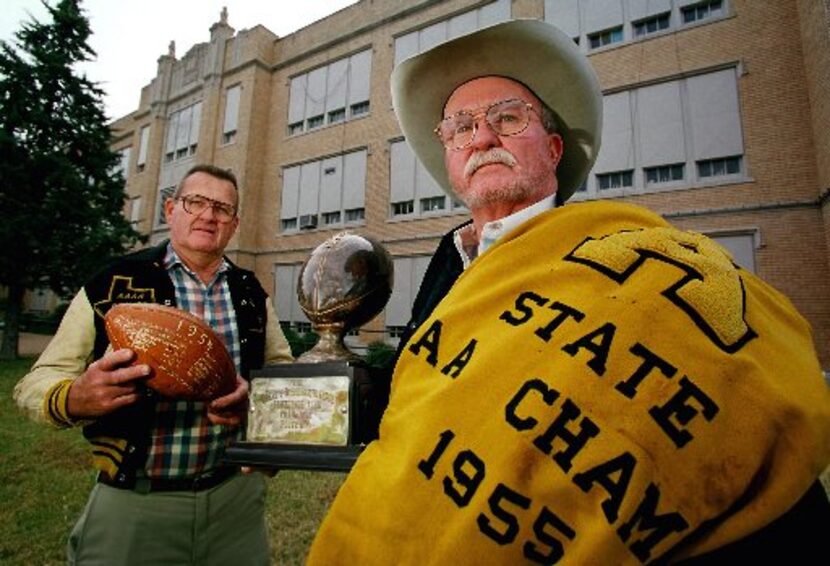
{"points": [[529, 51]]}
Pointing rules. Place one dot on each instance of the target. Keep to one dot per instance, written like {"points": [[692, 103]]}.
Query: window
{"points": [[423, 39], [741, 244], [135, 210], [295, 128], [142, 149], [651, 25], [360, 108], [664, 174], [338, 115], [331, 217], [164, 194], [408, 274], [231, 114], [615, 180], [123, 165], [719, 167], [285, 296], [329, 190], [410, 183], [302, 327], [433, 203], [395, 331], [183, 133], [403, 207], [574, 17], [693, 124], [603, 38], [355, 214], [322, 96], [603, 22], [308, 221], [702, 11]]}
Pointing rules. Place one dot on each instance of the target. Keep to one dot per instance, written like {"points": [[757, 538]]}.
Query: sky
{"points": [[130, 35]]}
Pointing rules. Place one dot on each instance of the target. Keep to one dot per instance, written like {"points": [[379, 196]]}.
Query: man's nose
{"points": [[209, 213], [484, 137]]}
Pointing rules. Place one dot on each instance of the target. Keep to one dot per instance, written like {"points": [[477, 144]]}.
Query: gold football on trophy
{"points": [[345, 283]]}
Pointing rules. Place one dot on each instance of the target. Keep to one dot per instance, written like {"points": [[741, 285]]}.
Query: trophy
{"points": [[319, 412]]}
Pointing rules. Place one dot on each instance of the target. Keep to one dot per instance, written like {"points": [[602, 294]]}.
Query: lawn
{"points": [[46, 477]]}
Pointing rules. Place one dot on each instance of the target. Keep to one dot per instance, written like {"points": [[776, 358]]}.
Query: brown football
{"points": [[187, 359]]}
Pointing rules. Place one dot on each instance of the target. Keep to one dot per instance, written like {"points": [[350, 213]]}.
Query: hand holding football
{"points": [[187, 359]]}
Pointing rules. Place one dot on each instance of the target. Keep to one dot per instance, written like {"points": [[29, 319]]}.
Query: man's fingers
{"points": [[129, 374], [115, 369], [229, 409], [224, 420], [123, 400], [238, 395], [113, 360]]}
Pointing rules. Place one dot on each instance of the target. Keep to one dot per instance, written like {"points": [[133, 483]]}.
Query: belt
{"points": [[201, 482]]}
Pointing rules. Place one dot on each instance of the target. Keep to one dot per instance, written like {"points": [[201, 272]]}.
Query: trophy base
{"points": [[314, 458], [311, 416]]}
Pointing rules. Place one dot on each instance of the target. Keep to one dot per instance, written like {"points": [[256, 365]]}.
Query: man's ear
{"points": [[169, 204], [555, 147]]}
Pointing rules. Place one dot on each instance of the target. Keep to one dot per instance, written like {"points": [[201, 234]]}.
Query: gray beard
{"points": [[521, 190]]}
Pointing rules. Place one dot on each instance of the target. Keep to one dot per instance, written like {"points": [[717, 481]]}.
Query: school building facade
{"points": [[716, 115]]}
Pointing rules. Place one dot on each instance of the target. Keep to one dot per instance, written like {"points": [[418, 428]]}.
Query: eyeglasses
{"points": [[197, 204], [506, 118]]}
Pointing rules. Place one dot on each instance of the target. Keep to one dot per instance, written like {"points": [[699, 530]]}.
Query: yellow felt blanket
{"points": [[598, 388]]}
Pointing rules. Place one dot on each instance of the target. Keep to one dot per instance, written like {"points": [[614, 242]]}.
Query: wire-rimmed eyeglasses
{"points": [[505, 117]]}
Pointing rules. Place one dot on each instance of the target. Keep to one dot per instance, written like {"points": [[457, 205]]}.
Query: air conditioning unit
{"points": [[308, 221]]}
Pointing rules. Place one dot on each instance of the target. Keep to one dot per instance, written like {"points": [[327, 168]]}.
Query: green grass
{"points": [[46, 475]]}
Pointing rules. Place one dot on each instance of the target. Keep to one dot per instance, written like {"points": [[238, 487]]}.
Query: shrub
{"points": [[379, 354], [300, 343]]}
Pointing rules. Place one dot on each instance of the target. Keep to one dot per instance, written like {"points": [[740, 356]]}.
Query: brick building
{"points": [[716, 116]]}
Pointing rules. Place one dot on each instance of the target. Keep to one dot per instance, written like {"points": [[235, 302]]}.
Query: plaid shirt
{"points": [[183, 442]]}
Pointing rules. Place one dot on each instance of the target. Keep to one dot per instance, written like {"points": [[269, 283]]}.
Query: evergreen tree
{"points": [[61, 194]]}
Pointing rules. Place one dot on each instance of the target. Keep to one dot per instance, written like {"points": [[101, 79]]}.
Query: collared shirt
{"points": [[183, 441], [469, 247]]}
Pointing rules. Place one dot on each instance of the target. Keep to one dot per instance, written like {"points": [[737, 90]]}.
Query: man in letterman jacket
{"points": [[159, 460]]}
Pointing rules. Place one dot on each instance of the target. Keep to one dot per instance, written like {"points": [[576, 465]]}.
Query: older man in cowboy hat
{"points": [[582, 383]]}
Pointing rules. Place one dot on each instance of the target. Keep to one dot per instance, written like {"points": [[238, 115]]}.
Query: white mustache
{"points": [[493, 155]]}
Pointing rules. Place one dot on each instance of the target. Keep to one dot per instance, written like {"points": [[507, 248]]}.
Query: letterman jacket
{"points": [[120, 439]]}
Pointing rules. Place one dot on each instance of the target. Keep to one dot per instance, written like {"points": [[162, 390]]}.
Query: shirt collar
{"points": [[172, 259], [465, 239]]}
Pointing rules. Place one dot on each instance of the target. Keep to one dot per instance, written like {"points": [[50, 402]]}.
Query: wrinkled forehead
{"points": [[483, 91]]}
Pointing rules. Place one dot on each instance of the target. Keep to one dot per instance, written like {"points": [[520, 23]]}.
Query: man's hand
{"points": [[230, 409], [107, 384]]}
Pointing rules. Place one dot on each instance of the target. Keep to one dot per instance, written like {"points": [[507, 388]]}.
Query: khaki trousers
{"points": [[224, 525]]}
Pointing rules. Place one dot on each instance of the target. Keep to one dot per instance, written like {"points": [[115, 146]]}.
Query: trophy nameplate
{"points": [[319, 413], [303, 410], [310, 416]]}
